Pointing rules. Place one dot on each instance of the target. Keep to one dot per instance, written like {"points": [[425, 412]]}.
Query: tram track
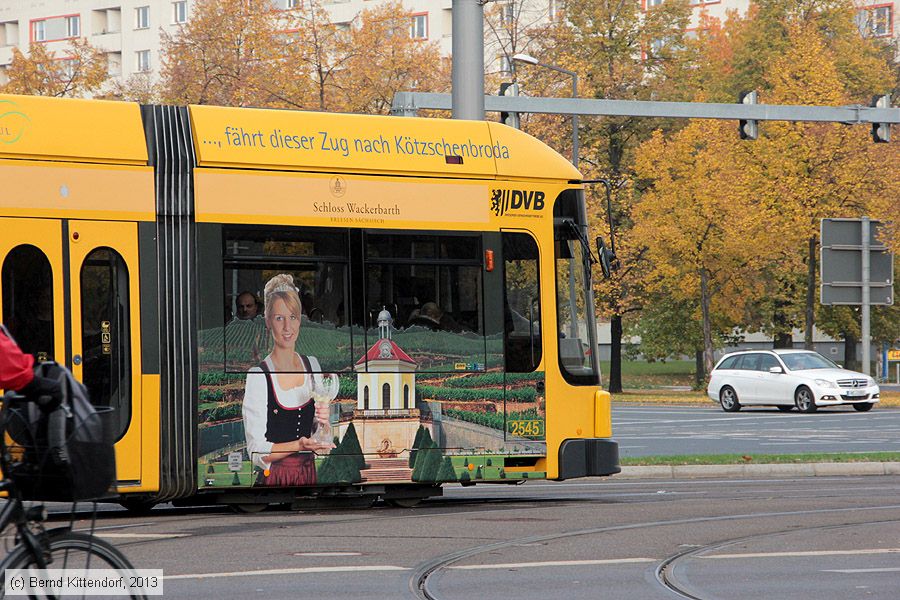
{"points": [[424, 573], [667, 576]]}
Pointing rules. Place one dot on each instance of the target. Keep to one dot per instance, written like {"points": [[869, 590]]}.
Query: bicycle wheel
{"points": [[71, 550]]}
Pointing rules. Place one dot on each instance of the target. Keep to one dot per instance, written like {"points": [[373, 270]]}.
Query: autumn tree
{"points": [[814, 170], [79, 70], [385, 59], [696, 215], [317, 55], [619, 51], [227, 54]]}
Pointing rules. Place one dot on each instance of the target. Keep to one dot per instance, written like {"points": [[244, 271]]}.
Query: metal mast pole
{"points": [[468, 60], [866, 295]]}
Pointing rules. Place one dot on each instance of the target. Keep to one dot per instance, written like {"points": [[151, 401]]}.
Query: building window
{"points": [[73, 26], [507, 13], [39, 31], [114, 64], [143, 60], [418, 29], [179, 11], [142, 17], [67, 66], [56, 28], [876, 21], [652, 3], [10, 33], [292, 4]]}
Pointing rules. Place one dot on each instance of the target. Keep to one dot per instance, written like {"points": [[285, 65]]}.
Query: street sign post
{"points": [[856, 269], [842, 264]]}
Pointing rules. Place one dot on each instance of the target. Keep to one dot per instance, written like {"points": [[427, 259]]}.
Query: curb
{"points": [[760, 470]]}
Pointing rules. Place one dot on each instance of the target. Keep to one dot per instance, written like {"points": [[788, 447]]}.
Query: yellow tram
{"points": [[283, 305]]}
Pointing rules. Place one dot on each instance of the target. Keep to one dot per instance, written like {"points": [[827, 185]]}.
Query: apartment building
{"points": [[128, 31]]}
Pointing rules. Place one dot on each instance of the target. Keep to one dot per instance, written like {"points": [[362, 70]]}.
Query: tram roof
{"points": [[349, 143], [69, 129]]}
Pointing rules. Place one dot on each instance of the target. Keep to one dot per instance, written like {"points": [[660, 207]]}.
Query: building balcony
{"points": [[107, 41]]}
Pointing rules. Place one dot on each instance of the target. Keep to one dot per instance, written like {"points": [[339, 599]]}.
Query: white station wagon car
{"points": [[788, 378]]}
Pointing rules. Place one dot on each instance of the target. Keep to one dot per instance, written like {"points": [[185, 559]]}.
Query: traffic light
{"points": [[881, 132], [749, 128], [508, 88]]}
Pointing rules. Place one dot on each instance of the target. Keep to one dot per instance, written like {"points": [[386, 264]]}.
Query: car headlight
{"points": [[825, 383], [870, 382]]}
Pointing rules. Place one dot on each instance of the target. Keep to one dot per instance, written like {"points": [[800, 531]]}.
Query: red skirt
{"points": [[292, 470]]}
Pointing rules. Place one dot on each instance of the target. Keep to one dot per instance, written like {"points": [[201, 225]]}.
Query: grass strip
{"points": [[742, 459]]}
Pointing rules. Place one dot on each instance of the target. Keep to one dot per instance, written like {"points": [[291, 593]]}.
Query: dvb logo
{"points": [[505, 200]]}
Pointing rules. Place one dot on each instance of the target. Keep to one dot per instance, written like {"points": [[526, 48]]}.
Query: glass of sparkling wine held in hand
{"points": [[324, 392]]}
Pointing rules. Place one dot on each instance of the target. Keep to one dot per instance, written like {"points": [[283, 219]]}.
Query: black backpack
{"points": [[67, 454]]}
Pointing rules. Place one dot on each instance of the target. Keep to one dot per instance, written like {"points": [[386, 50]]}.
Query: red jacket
{"points": [[16, 367]]}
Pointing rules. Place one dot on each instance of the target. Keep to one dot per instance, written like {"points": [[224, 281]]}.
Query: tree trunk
{"points": [[615, 354], [810, 294], [782, 337], [700, 371], [850, 361], [707, 324]]}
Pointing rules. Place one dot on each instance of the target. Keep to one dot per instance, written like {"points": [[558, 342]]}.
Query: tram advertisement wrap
{"points": [[414, 404]]}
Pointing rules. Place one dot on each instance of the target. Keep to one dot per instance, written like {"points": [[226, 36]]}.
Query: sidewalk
{"points": [[760, 470]]}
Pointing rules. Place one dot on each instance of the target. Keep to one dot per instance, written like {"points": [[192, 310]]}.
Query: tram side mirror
{"points": [[605, 256]]}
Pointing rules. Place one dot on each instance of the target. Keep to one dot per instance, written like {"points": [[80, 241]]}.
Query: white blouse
{"points": [[255, 405]]}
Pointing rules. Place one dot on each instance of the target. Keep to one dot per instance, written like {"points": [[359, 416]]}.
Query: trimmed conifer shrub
{"points": [[446, 472], [415, 446]]}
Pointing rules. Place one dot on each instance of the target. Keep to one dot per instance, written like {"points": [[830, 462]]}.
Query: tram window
{"points": [[106, 333], [431, 285], [574, 304], [522, 309], [28, 300], [315, 261]]}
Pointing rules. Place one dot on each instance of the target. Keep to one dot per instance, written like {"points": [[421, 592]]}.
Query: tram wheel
{"points": [[403, 502], [137, 506], [249, 508]]}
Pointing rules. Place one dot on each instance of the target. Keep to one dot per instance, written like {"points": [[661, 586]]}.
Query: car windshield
{"points": [[807, 360]]}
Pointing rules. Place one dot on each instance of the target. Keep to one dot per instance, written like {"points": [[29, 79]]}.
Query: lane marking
{"points": [[556, 563], [297, 571], [155, 536], [885, 570], [808, 553]]}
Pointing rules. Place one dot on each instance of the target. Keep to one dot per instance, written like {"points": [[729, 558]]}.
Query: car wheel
{"points": [[785, 407], [863, 406], [728, 399], [805, 400]]}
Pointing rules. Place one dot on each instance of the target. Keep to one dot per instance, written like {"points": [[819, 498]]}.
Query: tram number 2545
{"points": [[527, 428]]}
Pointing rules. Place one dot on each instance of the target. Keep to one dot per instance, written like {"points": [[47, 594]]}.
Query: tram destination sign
{"points": [[842, 263]]}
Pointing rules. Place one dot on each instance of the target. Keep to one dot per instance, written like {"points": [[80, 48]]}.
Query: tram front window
{"points": [[575, 310]]}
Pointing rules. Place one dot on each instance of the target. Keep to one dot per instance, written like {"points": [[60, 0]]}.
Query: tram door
{"points": [[99, 337], [31, 279], [105, 336]]}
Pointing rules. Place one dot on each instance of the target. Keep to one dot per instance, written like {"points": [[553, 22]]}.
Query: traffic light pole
{"points": [[408, 103]]}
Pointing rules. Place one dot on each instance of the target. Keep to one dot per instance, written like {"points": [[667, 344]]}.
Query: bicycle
{"points": [[37, 547]]}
